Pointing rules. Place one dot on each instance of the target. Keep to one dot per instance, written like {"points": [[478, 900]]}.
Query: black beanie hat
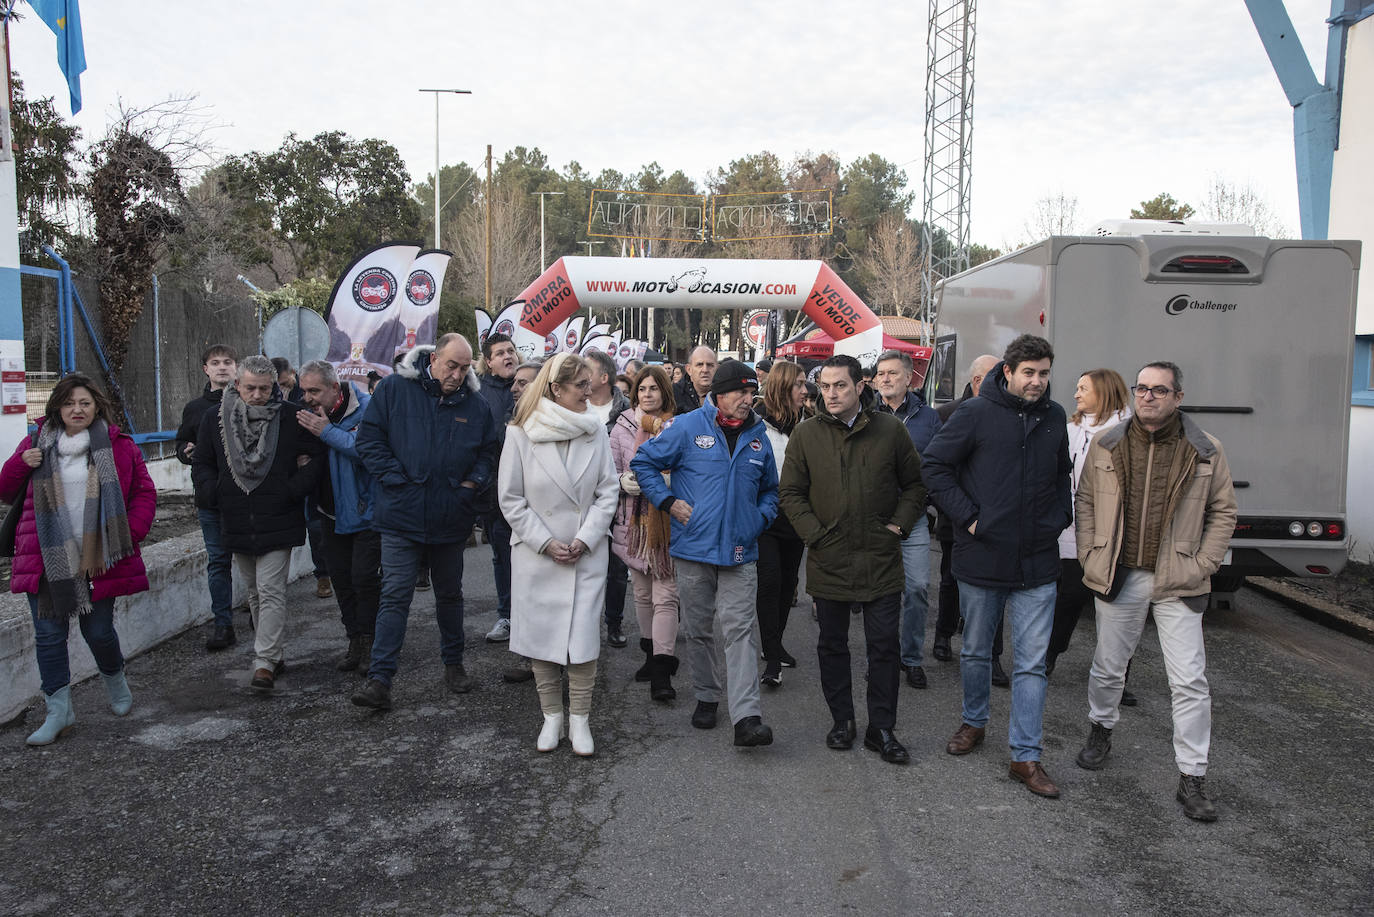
{"points": [[731, 376]]}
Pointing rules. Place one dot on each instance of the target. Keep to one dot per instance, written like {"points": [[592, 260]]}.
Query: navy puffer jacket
{"points": [[1004, 462], [420, 445]]}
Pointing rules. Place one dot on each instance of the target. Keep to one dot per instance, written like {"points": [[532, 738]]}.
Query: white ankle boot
{"points": [[551, 733], [580, 734]]}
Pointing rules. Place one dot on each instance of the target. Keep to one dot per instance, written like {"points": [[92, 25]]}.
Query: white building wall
{"points": [[1352, 217]]}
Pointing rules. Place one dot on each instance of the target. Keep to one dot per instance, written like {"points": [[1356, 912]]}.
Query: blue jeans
{"points": [[401, 559], [916, 565], [497, 530], [219, 567], [50, 641], [1031, 612]]}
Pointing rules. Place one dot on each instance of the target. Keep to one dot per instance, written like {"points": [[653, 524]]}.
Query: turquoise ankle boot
{"points": [[59, 720], [117, 689]]}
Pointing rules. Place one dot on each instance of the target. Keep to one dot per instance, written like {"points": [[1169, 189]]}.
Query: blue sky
{"points": [[1110, 103]]}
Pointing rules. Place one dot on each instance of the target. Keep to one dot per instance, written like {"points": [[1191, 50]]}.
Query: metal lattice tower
{"points": [[948, 148]]}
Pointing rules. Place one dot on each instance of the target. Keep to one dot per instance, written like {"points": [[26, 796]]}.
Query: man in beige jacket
{"points": [[1154, 514]]}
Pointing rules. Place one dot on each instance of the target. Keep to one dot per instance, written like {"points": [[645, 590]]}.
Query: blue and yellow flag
{"points": [[63, 17]]}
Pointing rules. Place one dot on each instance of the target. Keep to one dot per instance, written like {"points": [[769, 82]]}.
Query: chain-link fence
{"points": [[162, 370]]}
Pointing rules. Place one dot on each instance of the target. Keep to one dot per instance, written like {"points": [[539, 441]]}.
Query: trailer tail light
{"points": [[1204, 264], [1288, 527], [1318, 569]]}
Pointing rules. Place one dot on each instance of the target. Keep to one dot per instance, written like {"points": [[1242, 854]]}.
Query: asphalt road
{"points": [[209, 799]]}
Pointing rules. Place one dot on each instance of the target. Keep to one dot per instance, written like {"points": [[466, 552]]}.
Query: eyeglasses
{"points": [[1159, 391]]}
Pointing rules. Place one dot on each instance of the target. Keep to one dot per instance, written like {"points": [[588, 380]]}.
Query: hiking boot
{"points": [[1094, 755], [1193, 795], [373, 694], [457, 679]]}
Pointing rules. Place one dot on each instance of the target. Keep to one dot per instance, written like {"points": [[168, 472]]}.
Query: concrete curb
{"points": [[1315, 608], [177, 599]]}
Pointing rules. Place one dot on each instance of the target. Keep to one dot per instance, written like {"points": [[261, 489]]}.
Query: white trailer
{"points": [[1263, 330]]}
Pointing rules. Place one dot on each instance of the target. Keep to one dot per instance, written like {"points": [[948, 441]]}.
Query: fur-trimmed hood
{"points": [[415, 366]]}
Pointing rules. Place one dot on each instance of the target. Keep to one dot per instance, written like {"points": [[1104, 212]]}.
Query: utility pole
{"points": [[489, 195], [543, 257], [464, 92]]}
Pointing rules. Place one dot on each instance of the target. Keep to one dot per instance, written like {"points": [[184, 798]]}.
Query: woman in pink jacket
{"points": [[88, 503], [639, 533]]}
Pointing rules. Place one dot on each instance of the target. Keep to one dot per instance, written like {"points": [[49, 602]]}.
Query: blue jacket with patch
{"points": [[733, 497], [349, 478], [420, 445]]}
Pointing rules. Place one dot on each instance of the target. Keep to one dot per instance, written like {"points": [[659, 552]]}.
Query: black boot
{"points": [[661, 671], [1094, 754], [644, 671], [352, 656]]}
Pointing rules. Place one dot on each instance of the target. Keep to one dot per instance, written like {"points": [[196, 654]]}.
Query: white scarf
{"points": [[553, 423]]}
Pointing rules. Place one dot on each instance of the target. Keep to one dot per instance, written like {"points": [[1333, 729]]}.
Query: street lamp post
{"points": [[543, 258], [437, 92]]}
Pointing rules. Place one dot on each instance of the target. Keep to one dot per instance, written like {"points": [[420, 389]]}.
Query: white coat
{"points": [[556, 609]]}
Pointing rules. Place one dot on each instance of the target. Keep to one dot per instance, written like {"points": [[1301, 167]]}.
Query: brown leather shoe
{"points": [[263, 680], [965, 739], [1034, 777]]}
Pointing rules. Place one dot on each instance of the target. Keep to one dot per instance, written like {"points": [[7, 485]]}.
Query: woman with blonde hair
{"points": [[1100, 401], [557, 488], [639, 535], [780, 548]]}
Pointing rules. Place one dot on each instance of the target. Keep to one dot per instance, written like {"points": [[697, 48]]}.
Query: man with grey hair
{"points": [[352, 549], [892, 378], [689, 394], [430, 441], [255, 466]]}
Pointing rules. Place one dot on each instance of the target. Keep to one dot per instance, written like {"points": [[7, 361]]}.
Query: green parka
{"points": [[840, 487]]}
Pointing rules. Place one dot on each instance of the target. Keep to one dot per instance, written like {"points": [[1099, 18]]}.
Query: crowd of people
{"points": [[698, 490]]}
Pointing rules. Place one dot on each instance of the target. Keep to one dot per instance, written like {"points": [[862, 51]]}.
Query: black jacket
{"points": [[944, 531], [272, 517], [191, 417], [685, 397], [1003, 462]]}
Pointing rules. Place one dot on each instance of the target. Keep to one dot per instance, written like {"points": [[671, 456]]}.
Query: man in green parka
{"points": [[851, 486]]}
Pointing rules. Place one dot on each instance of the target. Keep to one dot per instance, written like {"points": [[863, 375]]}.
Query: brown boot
{"points": [[1034, 777], [965, 739]]}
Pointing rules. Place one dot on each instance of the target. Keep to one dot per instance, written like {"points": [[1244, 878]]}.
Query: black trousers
{"points": [[882, 617], [778, 566], [1068, 607], [354, 563], [617, 582], [947, 622]]}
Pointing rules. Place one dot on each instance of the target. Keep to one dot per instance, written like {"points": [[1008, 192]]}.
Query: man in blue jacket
{"points": [[429, 441], [892, 381], [723, 494], [352, 548], [999, 468]]}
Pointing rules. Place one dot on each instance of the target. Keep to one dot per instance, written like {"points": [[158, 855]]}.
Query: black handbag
{"points": [[10, 526]]}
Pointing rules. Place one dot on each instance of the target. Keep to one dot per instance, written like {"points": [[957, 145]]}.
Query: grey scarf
{"points": [[250, 438]]}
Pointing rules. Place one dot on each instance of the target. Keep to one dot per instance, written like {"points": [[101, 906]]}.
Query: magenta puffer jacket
{"points": [[140, 497]]}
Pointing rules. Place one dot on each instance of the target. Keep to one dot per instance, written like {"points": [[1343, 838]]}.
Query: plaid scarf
{"points": [[649, 527], [71, 559]]}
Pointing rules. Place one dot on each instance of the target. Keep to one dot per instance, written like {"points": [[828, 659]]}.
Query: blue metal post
{"points": [[157, 353], [66, 334]]}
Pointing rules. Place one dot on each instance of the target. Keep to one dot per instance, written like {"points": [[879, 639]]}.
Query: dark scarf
{"points": [[250, 438], [71, 559]]}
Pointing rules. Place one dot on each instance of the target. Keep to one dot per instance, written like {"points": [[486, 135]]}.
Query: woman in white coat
{"points": [[558, 488], [1101, 401]]}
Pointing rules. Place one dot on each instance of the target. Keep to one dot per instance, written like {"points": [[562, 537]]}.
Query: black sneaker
{"points": [[1193, 795], [616, 639], [221, 638], [772, 674], [1094, 755], [750, 732], [704, 717], [456, 679], [373, 694]]}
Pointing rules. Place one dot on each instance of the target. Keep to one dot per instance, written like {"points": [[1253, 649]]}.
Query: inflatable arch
{"points": [[571, 283]]}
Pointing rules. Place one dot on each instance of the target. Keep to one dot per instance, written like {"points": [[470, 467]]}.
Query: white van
{"points": [[1263, 330]]}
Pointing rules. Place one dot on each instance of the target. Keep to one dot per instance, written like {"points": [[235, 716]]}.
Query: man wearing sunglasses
{"points": [[1154, 514]]}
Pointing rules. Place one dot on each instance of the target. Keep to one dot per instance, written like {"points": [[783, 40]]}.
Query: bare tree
{"points": [[514, 248], [1228, 202], [1053, 215], [894, 263]]}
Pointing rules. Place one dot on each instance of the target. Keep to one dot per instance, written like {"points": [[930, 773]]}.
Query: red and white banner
{"points": [[600, 284]]}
